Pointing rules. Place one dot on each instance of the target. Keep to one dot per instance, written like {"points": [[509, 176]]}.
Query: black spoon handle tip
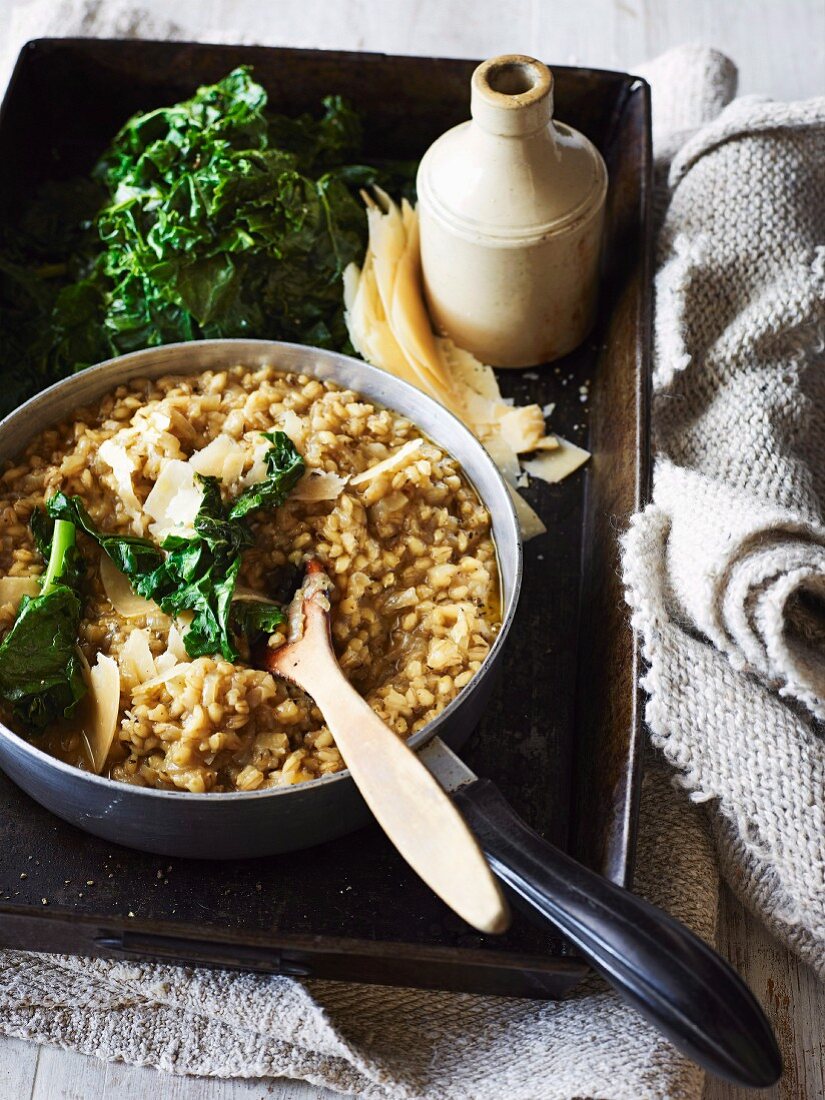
{"points": [[659, 966]]}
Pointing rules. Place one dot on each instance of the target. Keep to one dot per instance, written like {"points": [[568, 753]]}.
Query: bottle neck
{"points": [[511, 173], [512, 96]]}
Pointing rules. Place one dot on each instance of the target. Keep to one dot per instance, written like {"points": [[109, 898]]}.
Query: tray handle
{"points": [[666, 972]]}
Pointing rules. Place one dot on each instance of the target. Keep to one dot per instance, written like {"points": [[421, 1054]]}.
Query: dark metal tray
{"points": [[561, 737]]}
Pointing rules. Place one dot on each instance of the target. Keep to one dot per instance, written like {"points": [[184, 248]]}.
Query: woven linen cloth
{"points": [[382, 1042], [726, 567]]}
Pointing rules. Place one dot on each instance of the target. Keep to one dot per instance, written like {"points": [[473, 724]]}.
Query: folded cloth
{"points": [[370, 1041], [751, 577], [378, 1042], [726, 568]]}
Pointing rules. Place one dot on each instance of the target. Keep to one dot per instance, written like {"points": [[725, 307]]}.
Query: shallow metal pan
{"points": [[282, 819]]}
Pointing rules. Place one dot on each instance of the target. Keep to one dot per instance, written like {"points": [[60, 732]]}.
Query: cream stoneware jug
{"points": [[511, 208]]}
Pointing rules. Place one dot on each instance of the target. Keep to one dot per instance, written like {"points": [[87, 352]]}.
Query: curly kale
{"points": [[210, 218]]}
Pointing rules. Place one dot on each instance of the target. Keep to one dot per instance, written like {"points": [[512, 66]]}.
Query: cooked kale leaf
{"points": [[284, 468], [41, 672], [131, 554], [210, 218], [254, 618], [198, 573], [40, 668]]}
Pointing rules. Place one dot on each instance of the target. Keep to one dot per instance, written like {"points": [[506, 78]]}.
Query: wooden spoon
{"points": [[408, 803]]}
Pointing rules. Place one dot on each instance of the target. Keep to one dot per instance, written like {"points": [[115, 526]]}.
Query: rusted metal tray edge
{"points": [[602, 593]]}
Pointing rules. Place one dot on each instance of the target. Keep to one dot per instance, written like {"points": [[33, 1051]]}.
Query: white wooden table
{"points": [[779, 47]]}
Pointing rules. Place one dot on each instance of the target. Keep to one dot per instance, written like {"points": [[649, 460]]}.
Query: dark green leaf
{"points": [[210, 597], [132, 555], [284, 468], [254, 618], [209, 218], [41, 673], [219, 530], [42, 529]]}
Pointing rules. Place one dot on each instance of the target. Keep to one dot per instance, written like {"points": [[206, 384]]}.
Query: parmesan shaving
{"points": [[555, 465], [257, 471], [505, 458], [13, 589], [136, 661], [165, 662], [369, 330], [172, 673], [467, 370], [389, 326], [530, 524], [104, 705], [223, 458], [293, 426], [394, 462], [175, 646], [174, 655], [174, 501], [547, 443], [233, 467], [408, 316], [318, 485], [522, 428], [120, 594], [122, 465]]}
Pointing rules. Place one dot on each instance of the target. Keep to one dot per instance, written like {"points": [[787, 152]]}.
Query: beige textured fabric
{"points": [[726, 568], [377, 1042]]}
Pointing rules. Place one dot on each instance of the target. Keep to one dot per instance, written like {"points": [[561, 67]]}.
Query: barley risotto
{"points": [[172, 698]]}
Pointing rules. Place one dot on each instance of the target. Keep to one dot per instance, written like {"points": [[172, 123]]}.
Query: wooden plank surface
{"points": [[18, 1067], [790, 994], [64, 1075], [780, 48]]}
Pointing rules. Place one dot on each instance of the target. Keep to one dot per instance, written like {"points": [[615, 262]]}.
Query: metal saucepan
{"points": [[661, 968], [281, 819]]}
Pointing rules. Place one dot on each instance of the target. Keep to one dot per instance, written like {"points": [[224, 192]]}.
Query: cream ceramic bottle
{"points": [[511, 208]]}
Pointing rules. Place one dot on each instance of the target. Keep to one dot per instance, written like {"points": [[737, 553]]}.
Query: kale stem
{"points": [[62, 541]]}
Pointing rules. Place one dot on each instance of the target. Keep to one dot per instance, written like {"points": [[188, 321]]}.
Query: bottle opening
{"points": [[512, 94], [513, 77]]}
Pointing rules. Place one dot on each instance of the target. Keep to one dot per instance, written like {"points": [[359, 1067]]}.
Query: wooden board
{"points": [[779, 51]]}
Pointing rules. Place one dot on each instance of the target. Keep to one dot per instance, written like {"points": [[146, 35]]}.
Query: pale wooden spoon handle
{"points": [[410, 806]]}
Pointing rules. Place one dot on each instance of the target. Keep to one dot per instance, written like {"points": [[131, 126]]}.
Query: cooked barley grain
{"points": [[415, 604]]}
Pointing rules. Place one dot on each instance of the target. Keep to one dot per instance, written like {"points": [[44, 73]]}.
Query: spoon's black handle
{"points": [[674, 979]]}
